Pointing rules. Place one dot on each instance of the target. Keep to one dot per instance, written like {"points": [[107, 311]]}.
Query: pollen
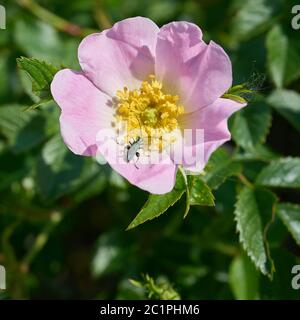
{"points": [[149, 112]]}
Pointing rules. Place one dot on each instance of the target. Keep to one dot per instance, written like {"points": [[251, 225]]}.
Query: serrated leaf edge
{"points": [[264, 233], [283, 221]]}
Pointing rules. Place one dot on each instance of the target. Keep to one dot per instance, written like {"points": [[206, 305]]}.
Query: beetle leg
{"points": [[138, 158]]}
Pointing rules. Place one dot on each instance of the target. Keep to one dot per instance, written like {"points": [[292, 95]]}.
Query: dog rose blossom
{"points": [[159, 82]]}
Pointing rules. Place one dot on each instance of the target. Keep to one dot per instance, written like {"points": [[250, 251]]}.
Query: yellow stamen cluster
{"points": [[149, 111]]}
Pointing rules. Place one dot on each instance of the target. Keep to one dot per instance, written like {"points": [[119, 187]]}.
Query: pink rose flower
{"points": [[162, 80]]}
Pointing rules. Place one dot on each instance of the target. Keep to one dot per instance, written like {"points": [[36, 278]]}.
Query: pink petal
{"points": [[213, 120], [84, 111], [210, 117], [155, 178], [197, 72], [138, 32], [121, 56], [177, 42]]}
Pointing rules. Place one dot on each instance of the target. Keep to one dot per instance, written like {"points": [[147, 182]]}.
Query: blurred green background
{"points": [[63, 217]]}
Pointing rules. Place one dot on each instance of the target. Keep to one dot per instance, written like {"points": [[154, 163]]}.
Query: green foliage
{"points": [[41, 74], [23, 131], [63, 217], [281, 173], [219, 168], [41, 41], [158, 204], [284, 63], [157, 290], [290, 216], [253, 213], [199, 192], [287, 103], [58, 170], [252, 17], [243, 278], [251, 125], [110, 254], [238, 93]]}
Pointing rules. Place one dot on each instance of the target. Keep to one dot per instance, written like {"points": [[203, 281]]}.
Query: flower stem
{"points": [[245, 181], [187, 207], [40, 241], [56, 21]]}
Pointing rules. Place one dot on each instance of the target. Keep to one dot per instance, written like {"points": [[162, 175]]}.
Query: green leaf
{"points": [[260, 153], [158, 204], [38, 104], [40, 40], [111, 249], [41, 74], [253, 213], [290, 215], [220, 167], [251, 125], [92, 181], [199, 192], [282, 173], [243, 278], [253, 17], [22, 130], [287, 103], [58, 169], [283, 55]]}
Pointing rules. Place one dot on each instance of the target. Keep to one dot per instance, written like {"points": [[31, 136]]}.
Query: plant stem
{"points": [[187, 207], [56, 21], [40, 241], [244, 180]]}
